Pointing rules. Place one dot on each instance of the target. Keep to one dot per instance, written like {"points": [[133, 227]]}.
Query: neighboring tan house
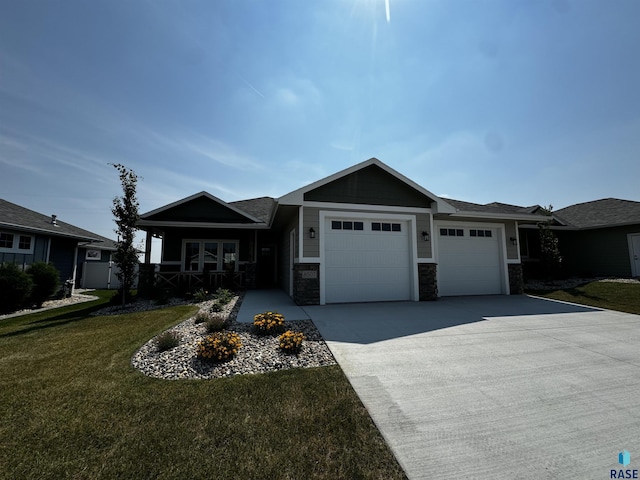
{"points": [[366, 233], [27, 237]]}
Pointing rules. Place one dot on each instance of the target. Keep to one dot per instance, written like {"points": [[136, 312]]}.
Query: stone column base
{"points": [[306, 283], [516, 280], [427, 281]]}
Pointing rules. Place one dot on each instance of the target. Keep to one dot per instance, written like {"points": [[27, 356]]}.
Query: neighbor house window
{"points": [[210, 255], [12, 243], [6, 240], [24, 242]]}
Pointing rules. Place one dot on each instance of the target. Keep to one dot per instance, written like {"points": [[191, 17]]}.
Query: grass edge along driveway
{"points": [[73, 407], [623, 297]]}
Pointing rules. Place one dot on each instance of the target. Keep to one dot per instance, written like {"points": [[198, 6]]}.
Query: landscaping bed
{"points": [[258, 353]]}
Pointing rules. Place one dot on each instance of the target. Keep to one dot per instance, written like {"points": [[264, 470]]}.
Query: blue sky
{"points": [[518, 101]]}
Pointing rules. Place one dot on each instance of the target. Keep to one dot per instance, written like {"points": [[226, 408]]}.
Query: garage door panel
{"points": [[366, 265], [469, 265]]}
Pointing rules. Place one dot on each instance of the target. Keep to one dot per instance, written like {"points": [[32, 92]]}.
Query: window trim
{"points": [[220, 253], [16, 240]]}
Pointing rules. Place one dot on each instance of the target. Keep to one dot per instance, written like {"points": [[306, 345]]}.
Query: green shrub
{"points": [[216, 307], [201, 295], [167, 341], [219, 347], [291, 342], [268, 322], [117, 298], [15, 288], [224, 296], [46, 280]]}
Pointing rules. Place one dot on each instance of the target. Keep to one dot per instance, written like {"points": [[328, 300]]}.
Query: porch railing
{"points": [[199, 280]]}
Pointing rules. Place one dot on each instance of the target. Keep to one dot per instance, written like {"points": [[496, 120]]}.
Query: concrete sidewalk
{"points": [[258, 301], [494, 387]]}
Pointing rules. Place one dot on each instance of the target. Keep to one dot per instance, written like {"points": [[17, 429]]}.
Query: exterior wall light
{"points": [[312, 233], [425, 236], [514, 241]]}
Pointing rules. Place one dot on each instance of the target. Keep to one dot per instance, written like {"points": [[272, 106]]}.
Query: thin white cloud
{"points": [[295, 91], [343, 147], [221, 152], [246, 82]]}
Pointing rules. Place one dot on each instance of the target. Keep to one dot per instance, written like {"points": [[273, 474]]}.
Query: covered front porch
{"points": [[209, 243]]}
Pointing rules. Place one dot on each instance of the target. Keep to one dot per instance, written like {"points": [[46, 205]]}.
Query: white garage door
{"points": [[469, 261], [366, 260]]}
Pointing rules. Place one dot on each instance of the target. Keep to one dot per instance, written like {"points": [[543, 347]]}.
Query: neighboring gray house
{"points": [[600, 238], [366, 233], [27, 237]]}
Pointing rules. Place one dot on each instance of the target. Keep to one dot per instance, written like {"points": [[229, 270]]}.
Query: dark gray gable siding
{"points": [[200, 209], [370, 186]]}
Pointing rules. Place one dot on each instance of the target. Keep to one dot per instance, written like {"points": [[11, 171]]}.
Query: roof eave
{"points": [[498, 216], [44, 231], [233, 226]]}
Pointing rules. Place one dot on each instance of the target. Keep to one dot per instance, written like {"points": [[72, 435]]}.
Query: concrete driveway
{"points": [[494, 387]]}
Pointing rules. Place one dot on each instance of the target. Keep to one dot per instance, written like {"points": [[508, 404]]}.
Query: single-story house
{"points": [[598, 238], [366, 233], [27, 237]]}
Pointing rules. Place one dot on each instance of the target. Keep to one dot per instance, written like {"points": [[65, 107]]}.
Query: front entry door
{"points": [[267, 266], [634, 241]]}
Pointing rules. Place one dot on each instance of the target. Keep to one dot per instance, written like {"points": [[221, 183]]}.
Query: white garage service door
{"points": [[469, 260], [366, 260]]}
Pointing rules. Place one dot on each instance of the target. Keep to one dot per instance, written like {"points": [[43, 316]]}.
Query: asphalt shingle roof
{"points": [[606, 212], [261, 208], [495, 207], [21, 218]]}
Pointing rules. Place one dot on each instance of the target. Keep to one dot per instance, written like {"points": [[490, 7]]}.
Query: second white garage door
{"points": [[366, 260], [469, 261]]}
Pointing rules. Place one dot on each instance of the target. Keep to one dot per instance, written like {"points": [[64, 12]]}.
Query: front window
{"points": [[229, 257], [210, 261], [192, 257], [210, 255]]}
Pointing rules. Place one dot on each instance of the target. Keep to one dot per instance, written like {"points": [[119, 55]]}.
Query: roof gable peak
{"points": [[297, 196]]}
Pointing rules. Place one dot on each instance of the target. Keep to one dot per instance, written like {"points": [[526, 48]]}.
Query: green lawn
{"points": [[73, 407], [624, 297]]}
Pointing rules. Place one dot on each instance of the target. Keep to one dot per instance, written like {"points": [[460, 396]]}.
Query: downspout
{"points": [[255, 246], [75, 268], [48, 250]]}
